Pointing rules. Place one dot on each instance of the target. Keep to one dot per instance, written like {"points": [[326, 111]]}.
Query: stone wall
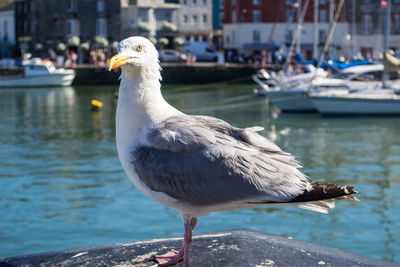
{"points": [[171, 74]]}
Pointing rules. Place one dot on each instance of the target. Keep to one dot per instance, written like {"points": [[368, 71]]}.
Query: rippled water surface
{"points": [[62, 185]]}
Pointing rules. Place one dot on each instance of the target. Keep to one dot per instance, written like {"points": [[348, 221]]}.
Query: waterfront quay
{"points": [[172, 73]]}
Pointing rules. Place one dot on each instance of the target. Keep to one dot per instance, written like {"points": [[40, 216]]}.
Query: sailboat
{"points": [[384, 100], [290, 94]]}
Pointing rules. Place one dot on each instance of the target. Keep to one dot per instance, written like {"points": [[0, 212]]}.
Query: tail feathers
{"points": [[318, 197], [322, 206], [321, 197], [321, 191]]}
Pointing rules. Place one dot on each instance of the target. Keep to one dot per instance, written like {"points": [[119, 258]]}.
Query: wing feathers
{"points": [[205, 161]]}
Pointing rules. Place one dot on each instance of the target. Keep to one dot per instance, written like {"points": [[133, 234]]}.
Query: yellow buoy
{"points": [[96, 104]]}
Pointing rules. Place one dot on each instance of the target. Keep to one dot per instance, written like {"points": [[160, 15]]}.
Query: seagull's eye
{"points": [[139, 48]]}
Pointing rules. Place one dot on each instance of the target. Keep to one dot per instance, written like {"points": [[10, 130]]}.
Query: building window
{"points": [[195, 21], [322, 35], [234, 3], [100, 5], [366, 1], [205, 19], [185, 19], [396, 21], [168, 16], [72, 5], [289, 15], [366, 24], [322, 2], [322, 16], [184, 2], [256, 2], [234, 18], [256, 16], [26, 27], [194, 2], [5, 30], [205, 2], [396, 1], [26, 8], [289, 36], [256, 36], [101, 27], [72, 27], [289, 2], [143, 15]]}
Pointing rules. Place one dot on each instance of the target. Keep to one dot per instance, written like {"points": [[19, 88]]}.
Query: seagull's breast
{"points": [[132, 125]]}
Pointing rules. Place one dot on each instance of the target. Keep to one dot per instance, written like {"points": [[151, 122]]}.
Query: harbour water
{"points": [[62, 185]]}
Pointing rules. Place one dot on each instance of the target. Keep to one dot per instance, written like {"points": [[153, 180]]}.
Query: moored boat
{"points": [[38, 73], [379, 102]]}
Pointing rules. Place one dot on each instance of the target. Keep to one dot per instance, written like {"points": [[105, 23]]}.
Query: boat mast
{"points": [[299, 22], [298, 32], [330, 33], [386, 38], [315, 28], [353, 26]]}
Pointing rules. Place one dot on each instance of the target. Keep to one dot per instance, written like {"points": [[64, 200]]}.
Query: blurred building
{"points": [[195, 20], [367, 26], [23, 23], [7, 30], [43, 24], [218, 21], [268, 24], [149, 18], [264, 24], [4, 3]]}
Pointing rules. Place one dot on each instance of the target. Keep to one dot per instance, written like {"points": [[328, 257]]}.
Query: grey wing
{"points": [[247, 135], [195, 163]]}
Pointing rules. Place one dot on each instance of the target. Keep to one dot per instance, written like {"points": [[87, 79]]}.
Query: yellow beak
{"points": [[116, 61]]}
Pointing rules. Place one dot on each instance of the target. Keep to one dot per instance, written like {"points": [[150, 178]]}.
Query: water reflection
{"points": [[63, 187]]}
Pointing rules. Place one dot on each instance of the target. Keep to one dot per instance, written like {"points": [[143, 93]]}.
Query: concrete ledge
{"points": [[231, 248]]}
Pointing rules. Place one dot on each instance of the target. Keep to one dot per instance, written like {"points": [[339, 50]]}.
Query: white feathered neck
{"points": [[140, 95]]}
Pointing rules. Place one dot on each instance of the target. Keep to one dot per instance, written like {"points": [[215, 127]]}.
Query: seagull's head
{"points": [[135, 54]]}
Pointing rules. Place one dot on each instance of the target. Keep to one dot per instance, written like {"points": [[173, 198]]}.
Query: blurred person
{"points": [[229, 55], [52, 55], [188, 58], [193, 59], [93, 57], [263, 58], [68, 60], [74, 59]]}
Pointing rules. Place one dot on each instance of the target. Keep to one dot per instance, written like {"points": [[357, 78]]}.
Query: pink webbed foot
{"points": [[171, 257]]}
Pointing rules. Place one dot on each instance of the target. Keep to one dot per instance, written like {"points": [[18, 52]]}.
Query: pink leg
{"points": [[188, 240], [173, 256]]}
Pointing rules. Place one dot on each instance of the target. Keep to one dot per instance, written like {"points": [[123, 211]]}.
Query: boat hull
{"points": [[340, 106], [290, 101], [45, 80]]}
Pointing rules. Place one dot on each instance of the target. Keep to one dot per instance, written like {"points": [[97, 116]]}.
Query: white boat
{"points": [[292, 96], [371, 102], [38, 73], [268, 81], [384, 100]]}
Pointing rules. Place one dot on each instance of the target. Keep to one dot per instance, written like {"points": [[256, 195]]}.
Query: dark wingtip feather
{"points": [[322, 191]]}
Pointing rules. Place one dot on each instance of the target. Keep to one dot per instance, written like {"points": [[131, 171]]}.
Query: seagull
{"points": [[200, 164]]}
